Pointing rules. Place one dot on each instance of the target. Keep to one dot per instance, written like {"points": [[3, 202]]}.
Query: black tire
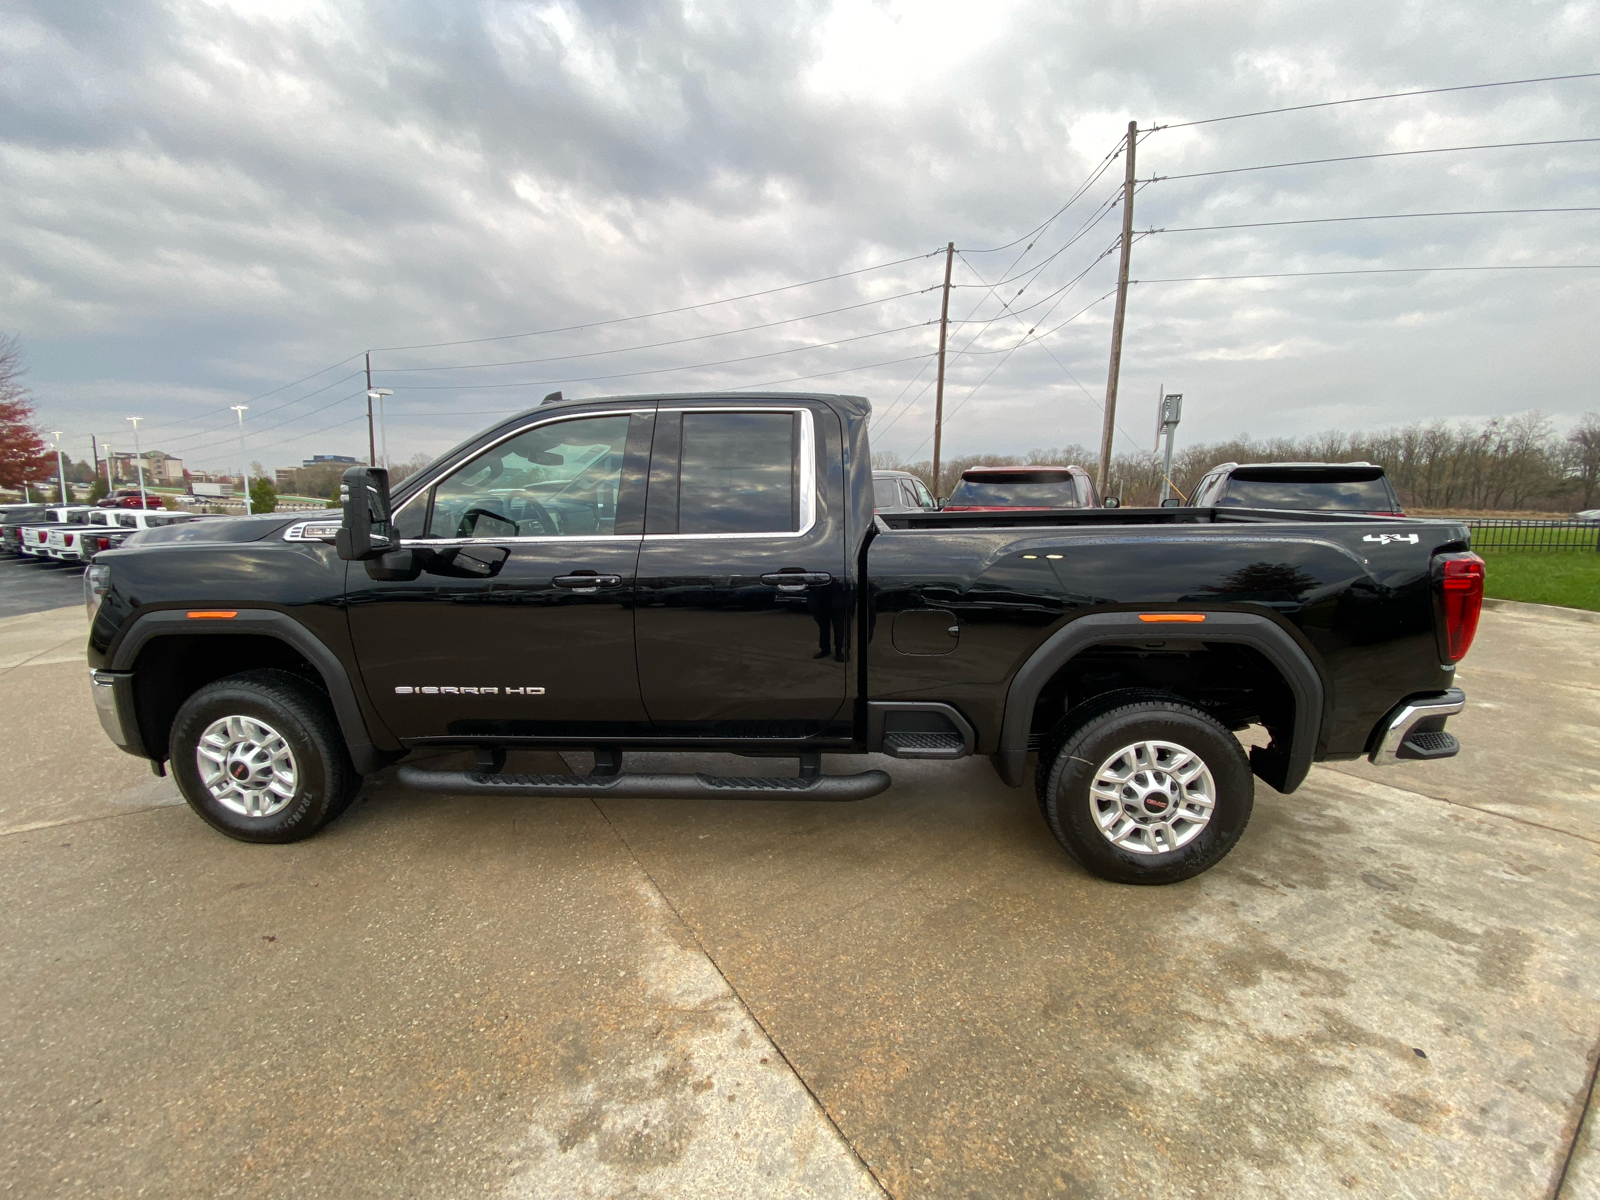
{"points": [[324, 780], [1091, 738]]}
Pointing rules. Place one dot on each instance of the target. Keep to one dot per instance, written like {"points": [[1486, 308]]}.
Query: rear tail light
{"points": [[42, 535], [105, 543], [1460, 578], [66, 539]]}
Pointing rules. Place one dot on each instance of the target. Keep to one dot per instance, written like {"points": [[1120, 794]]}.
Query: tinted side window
{"points": [[737, 473], [886, 494], [555, 480]]}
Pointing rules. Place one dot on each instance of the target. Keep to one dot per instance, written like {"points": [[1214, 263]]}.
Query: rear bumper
{"points": [[1414, 730]]}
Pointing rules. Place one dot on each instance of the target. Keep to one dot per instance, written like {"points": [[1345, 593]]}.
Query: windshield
{"points": [[1344, 495], [1035, 490]]}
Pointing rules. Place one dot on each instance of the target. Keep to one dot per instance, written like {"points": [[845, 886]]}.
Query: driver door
{"points": [[520, 624]]}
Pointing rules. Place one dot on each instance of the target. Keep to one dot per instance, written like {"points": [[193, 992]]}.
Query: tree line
{"points": [[1503, 464]]}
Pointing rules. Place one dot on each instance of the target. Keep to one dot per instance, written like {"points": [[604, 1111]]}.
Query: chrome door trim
{"points": [[517, 432], [808, 474]]}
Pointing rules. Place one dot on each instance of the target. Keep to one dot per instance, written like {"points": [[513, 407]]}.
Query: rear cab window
{"points": [[1327, 494], [1018, 489]]}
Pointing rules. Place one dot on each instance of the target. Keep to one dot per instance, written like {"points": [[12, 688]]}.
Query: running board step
{"points": [[649, 787], [924, 745]]}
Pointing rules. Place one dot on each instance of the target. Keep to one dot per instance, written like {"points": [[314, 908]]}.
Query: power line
{"points": [[1311, 162], [431, 387], [522, 362], [1466, 87], [257, 430], [178, 441], [1481, 212], [665, 312], [1382, 271], [1099, 170], [273, 392]]}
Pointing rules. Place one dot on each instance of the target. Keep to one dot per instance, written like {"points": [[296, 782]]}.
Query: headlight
{"points": [[96, 583]]}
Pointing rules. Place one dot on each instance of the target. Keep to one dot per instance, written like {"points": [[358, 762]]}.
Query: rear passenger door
{"points": [[742, 623]]}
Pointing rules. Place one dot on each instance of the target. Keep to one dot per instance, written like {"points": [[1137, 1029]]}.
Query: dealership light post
{"points": [[1171, 413], [61, 468], [244, 461], [138, 461], [383, 426]]}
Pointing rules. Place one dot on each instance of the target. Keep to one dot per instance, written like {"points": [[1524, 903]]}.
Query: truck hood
{"points": [[215, 530]]}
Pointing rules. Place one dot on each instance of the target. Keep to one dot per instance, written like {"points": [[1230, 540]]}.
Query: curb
{"points": [[1542, 610]]}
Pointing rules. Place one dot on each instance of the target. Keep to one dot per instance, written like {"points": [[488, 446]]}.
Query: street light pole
{"points": [[383, 426], [61, 469], [138, 461], [244, 461]]}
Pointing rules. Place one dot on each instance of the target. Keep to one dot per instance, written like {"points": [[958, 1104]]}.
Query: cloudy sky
{"points": [[203, 202]]}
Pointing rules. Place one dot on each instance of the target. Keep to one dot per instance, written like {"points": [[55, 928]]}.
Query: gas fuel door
{"points": [[926, 631]]}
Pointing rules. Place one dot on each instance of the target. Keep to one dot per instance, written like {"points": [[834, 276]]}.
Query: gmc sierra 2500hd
{"points": [[705, 572]]}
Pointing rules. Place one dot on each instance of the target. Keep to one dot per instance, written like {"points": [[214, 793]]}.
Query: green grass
{"points": [[1570, 578]]}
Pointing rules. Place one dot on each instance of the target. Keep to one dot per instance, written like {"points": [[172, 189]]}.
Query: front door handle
{"points": [[587, 584], [796, 581]]}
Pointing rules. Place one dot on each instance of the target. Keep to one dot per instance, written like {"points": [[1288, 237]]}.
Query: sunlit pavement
{"points": [[1388, 989]]}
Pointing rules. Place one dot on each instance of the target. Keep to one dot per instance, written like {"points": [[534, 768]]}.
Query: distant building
{"points": [[330, 460], [159, 467]]}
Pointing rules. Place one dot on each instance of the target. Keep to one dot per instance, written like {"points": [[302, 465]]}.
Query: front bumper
{"points": [[113, 704], [1414, 730]]}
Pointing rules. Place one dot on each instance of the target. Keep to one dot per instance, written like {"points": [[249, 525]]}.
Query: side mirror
{"points": [[1172, 502], [1111, 502], [367, 530]]}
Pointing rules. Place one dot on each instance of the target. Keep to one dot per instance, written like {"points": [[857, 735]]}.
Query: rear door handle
{"points": [[585, 584], [796, 581]]}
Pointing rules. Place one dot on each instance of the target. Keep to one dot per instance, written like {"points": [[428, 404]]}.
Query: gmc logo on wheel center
{"points": [[469, 691]]}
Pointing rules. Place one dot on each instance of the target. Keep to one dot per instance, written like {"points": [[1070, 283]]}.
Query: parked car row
{"points": [[74, 533], [1357, 487]]}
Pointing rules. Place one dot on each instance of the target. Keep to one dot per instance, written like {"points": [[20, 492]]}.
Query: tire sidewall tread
{"points": [[1063, 780], [325, 778]]}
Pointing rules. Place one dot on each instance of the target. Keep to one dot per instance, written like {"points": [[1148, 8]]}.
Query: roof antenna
{"points": [[552, 398]]}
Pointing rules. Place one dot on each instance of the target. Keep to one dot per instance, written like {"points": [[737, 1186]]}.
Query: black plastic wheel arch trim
{"points": [[367, 756], [648, 786], [1249, 629]]}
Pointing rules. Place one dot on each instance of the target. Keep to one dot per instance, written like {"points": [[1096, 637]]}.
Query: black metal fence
{"points": [[1507, 533]]}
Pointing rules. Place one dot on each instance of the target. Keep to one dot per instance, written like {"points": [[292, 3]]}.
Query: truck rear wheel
{"points": [[259, 756], [1149, 791]]}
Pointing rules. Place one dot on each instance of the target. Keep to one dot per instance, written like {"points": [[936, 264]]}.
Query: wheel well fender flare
{"points": [[267, 622], [1260, 633]]}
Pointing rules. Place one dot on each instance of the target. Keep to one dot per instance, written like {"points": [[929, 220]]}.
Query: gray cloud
{"points": [[201, 202]]}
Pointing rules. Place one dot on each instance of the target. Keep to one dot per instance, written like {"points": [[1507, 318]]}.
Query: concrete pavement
{"points": [[1388, 989]]}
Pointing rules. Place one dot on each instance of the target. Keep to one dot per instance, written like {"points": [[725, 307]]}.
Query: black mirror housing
{"points": [[1172, 502], [367, 531], [1111, 502]]}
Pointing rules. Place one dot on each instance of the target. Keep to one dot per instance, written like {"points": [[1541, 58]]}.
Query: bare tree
{"points": [[1583, 457]]}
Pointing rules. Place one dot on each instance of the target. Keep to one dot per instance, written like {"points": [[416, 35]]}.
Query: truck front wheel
{"points": [[259, 757], [1151, 791]]}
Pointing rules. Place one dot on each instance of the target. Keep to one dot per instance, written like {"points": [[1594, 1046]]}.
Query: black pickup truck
{"points": [[706, 572]]}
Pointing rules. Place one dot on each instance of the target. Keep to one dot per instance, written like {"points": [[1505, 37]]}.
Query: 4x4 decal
{"points": [[1383, 539]]}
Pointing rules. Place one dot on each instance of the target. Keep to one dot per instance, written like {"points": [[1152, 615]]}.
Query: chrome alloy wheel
{"points": [[246, 766], [1152, 797]]}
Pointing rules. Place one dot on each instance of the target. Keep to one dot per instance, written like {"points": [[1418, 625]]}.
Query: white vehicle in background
{"points": [[33, 538], [103, 529]]}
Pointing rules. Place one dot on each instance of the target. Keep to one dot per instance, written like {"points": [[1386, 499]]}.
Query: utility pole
{"points": [[94, 452], [372, 441], [938, 393], [111, 468], [61, 468], [1122, 311], [244, 459], [138, 461]]}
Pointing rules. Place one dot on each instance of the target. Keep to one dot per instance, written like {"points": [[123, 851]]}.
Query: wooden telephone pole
{"points": [[1103, 478], [938, 393]]}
